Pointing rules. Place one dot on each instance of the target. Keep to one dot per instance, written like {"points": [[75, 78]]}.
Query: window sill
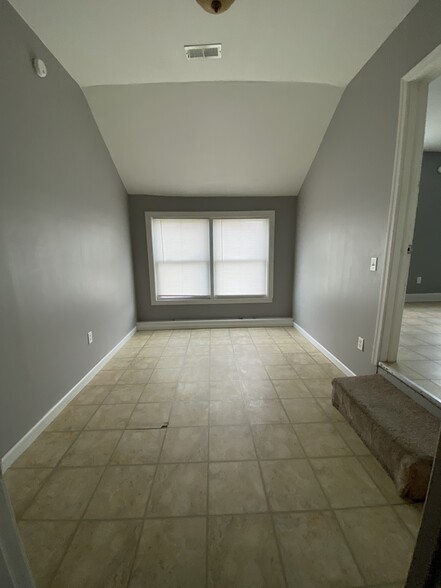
{"points": [[220, 300]]}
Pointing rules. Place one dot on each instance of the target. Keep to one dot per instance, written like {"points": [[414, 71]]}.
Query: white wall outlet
{"points": [[374, 263], [360, 344], [419, 279], [90, 337]]}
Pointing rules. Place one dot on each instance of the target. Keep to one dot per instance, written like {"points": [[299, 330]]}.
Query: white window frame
{"points": [[210, 216]]}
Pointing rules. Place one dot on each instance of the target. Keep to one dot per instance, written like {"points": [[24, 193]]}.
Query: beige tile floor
{"points": [[419, 355], [256, 482]]}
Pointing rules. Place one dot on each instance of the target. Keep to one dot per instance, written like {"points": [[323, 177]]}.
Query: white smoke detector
{"points": [[213, 51]]}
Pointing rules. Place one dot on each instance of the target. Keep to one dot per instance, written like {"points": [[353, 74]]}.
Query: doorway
{"points": [[402, 221]]}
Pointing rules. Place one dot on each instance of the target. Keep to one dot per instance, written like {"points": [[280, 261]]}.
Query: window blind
{"points": [[181, 253]]}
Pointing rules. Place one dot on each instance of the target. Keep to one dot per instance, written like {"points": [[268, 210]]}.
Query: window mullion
{"points": [[211, 259]]}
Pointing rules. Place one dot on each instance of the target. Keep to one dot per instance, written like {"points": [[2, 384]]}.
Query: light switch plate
{"points": [[90, 337], [419, 279], [360, 344], [374, 263]]}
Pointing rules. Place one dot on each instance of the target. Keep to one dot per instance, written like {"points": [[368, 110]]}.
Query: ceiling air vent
{"points": [[204, 51]]}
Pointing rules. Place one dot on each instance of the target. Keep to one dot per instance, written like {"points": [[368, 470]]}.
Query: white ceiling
{"points": [[432, 137], [142, 41], [213, 137]]}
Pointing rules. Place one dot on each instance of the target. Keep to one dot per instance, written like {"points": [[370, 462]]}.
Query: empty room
{"points": [[220, 291]]}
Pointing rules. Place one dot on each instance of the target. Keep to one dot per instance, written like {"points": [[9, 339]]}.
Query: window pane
{"points": [[241, 257], [181, 253]]}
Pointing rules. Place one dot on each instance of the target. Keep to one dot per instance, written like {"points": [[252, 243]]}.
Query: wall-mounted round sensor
{"points": [[39, 67]]}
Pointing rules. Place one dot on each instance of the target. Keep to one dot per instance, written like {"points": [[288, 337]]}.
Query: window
{"points": [[206, 258]]}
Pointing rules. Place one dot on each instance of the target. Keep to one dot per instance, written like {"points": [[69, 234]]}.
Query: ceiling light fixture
{"points": [[215, 6]]}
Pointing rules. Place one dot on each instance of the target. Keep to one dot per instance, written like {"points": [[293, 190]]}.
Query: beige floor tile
{"points": [[346, 483], [195, 374], [381, 478], [225, 373], [122, 493], [171, 554], [319, 358], [171, 362], [179, 490], [107, 377], [276, 442], [228, 412], [235, 487], [92, 395], [135, 376], [125, 393], [243, 552], [315, 552], [118, 363], [23, 485], [291, 485], [190, 391], [159, 392], [300, 359], [65, 495], [151, 414], [229, 443], [73, 418], [333, 414], [252, 372], [321, 440], [226, 390], [282, 372], [266, 412], [189, 414], [91, 448], [100, 556], [332, 370], [379, 541], [351, 438], [111, 416], [185, 444], [411, 515], [291, 389], [319, 387], [272, 358], [258, 390], [45, 543], [144, 363], [139, 447], [165, 375], [311, 371], [46, 451], [304, 410]]}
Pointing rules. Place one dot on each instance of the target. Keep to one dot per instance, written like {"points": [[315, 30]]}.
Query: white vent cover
{"points": [[204, 51]]}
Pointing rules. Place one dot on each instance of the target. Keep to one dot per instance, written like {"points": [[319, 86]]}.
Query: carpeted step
{"points": [[399, 432]]}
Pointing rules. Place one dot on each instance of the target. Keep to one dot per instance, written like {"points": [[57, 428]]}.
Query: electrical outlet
{"points": [[419, 279], [374, 263], [90, 337], [360, 344]]}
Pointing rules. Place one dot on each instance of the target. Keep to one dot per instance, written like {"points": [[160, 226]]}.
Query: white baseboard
{"points": [[14, 453], [214, 324], [430, 297], [341, 366]]}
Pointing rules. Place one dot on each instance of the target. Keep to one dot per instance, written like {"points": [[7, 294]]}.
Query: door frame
{"points": [[403, 205]]}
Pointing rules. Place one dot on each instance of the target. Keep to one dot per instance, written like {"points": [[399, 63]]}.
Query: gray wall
{"points": [[426, 256], [283, 256], [343, 204], [65, 262]]}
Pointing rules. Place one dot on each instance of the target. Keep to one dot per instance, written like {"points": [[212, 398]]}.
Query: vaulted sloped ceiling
{"points": [[248, 124]]}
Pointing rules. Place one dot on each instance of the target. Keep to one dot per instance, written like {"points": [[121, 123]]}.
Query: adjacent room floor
{"points": [[419, 355], [256, 481]]}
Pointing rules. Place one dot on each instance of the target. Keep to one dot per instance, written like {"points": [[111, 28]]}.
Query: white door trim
{"points": [[403, 205]]}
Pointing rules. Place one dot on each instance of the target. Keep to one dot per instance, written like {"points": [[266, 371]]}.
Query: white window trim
{"points": [[267, 214]]}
